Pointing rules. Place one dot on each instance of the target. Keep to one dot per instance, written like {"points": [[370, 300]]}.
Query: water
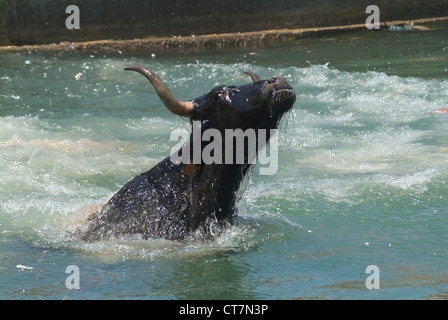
{"points": [[361, 180]]}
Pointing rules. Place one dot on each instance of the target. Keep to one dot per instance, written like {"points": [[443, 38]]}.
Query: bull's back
{"points": [[146, 206]]}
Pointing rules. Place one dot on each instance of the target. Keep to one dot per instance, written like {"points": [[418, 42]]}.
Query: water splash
{"points": [[352, 134]]}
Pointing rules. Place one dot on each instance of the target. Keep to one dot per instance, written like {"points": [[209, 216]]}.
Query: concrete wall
{"points": [[43, 21]]}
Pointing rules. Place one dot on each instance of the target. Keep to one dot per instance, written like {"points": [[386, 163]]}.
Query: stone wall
{"points": [[43, 21]]}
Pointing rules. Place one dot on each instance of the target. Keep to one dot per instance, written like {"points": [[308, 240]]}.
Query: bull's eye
{"points": [[220, 95]]}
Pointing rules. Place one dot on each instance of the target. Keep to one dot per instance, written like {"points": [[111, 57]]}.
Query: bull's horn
{"points": [[255, 77], [180, 108]]}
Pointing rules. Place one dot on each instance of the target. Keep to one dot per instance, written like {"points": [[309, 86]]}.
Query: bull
{"points": [[179, 201]]}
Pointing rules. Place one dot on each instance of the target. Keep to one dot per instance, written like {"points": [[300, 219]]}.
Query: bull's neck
{"points": [[215, 189], [213, 185]]}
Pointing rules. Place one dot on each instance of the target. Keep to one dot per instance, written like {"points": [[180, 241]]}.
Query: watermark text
{"points": [[373, 21], [73, 280], [73, 20], [373, 280], [235, 146]]}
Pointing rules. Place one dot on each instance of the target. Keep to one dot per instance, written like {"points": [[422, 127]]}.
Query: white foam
{"points": [[353, 134]]}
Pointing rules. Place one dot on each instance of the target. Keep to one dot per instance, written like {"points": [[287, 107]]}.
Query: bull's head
{"points": [[258, 105], [174, 200]]}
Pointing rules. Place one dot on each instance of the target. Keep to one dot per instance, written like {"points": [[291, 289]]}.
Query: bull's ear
{"points": [[255, 77]]}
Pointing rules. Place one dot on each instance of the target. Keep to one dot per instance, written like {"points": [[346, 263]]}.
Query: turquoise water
{"points": [[362, 176]]}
